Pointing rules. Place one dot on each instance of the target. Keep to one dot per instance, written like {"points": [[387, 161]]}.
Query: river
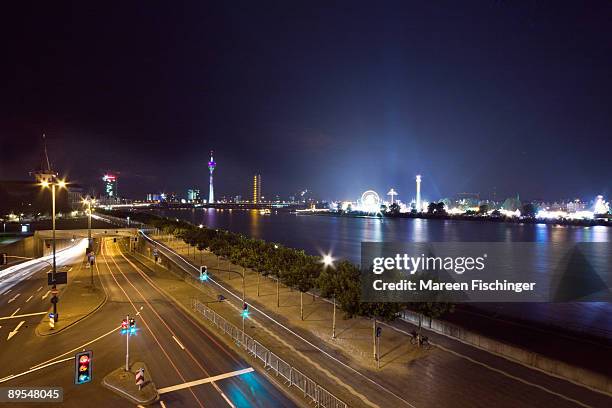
{"points": [[342, 237]]}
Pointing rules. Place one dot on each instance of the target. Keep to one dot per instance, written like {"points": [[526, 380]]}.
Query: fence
{"points": [[291, 375]]}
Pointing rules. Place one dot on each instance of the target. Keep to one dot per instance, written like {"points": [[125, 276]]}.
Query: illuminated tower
{"points": [[211, 168], [110, 185], [392, 193], [418, 193], [256, 188]]}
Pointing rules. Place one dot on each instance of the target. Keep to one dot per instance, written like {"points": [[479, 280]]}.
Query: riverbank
{"points": [[607, 222]]}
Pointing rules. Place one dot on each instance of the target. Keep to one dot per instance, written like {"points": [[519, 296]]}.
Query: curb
{"points": [[38, 333]]}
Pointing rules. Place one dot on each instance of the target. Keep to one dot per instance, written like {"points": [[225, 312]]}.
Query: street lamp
{"points": [[89, 201], [328, 262], [51, 180]]}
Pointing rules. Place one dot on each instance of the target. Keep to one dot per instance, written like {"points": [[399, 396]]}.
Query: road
{"points": [[453, 375], [176, 348]]}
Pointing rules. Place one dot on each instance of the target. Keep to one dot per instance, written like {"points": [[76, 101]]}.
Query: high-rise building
{"points": [[211, 168], [418, 192], [193, 194], [110, 185], [257, 188]]}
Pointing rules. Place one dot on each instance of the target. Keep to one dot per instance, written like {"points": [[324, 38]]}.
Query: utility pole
{"points": [[334, 319], [127, 345]]}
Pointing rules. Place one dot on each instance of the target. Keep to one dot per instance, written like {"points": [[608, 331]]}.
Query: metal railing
{"points": [[291, 375]]}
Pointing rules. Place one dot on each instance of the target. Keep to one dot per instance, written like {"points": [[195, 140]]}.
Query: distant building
{"points": [[110, 185], [193, 194], [238, 199], [257, 188], [211, 168], [153, 197]]}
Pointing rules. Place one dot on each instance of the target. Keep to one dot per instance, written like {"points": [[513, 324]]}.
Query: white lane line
{"points": [[30, 298], [78, 348], [10, 377], [204, 380], [15, 330], [179, 343], [162, 404], [15, 312], [6, 292], [23, 315], [46, 294], [14, 297], [39, 289]]}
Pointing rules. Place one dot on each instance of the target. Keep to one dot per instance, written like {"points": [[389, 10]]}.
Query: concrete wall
{"points": [[27, 247], [556, 368]]}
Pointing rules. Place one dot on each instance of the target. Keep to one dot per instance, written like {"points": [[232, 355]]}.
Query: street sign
{"points": [[52, 320], [140, 378], [61, 278]]}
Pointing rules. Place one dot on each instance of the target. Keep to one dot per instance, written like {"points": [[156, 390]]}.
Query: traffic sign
{"points": [[140, 378], [54, 291], [61, 278]]}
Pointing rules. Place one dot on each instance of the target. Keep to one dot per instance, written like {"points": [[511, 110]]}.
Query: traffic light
{"points": [[83, 367], [245, 310], [132, 325], [203, 273], [3, 259]]}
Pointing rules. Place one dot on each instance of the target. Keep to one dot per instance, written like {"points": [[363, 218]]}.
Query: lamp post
{"points": [[51, 180], [328, 261], [89, 201]]}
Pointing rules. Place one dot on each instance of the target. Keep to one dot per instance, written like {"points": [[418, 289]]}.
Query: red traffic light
{"points": [[83, 367]]}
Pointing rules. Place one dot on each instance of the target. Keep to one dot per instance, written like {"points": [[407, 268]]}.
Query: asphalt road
{"points": [[175, 347]]}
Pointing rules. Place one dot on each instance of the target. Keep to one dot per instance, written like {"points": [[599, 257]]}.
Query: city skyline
{"points": [[513, 103]]}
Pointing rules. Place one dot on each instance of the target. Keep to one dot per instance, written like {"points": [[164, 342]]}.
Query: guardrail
{"points": [[291, 375]]}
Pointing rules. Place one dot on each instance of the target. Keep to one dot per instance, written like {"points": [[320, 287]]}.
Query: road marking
{"points": [[162, 404], [30, 298], [10, 377], [179, 343], [204, 380], [77, 348], [14, 297], [6, 292], [15, 330], [46, 294], [15, 312], [39, 289], [13, 316]]}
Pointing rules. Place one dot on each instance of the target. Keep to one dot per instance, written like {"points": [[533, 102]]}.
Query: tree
{"points": [[483, 209], [528, 210], [394, 209]]}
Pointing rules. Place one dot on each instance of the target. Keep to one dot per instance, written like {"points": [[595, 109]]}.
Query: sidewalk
{"points": [[77, 300]]}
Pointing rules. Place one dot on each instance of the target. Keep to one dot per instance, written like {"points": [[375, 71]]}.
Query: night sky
{"points": [[336, 97]]}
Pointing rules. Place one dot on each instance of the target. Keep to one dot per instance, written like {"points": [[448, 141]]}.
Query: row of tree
{"points": [[292, 267]]}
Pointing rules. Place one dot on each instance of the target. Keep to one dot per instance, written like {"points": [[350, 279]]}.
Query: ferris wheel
{"points": [[370, 201]]}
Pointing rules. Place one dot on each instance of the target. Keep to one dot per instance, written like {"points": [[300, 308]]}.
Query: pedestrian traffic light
{"points": [[3, 259], [245, 310], [132, 325], [378, 331], [203, 273], [83, 367]]}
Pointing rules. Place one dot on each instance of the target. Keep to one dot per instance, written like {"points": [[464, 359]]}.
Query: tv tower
{"points": [[211, 168], [418, 193]]}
